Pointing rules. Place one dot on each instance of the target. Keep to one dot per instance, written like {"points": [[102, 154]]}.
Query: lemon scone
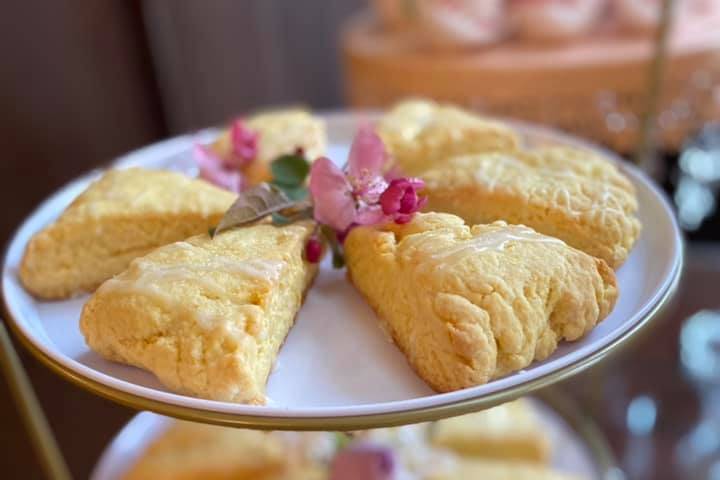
{"points": [[123, 215], [192, 451], [499, 470], [421, 134], [469, 304], [510, 431], [567, 193], [206, 316], [280, 132]]}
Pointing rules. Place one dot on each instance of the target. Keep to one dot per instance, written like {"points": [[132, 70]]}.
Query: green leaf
{"points": [[290, 170], [295, 193], [254, 204], [211, 231]]}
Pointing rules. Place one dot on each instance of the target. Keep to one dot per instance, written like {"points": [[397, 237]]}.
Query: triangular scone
{"points": [[123, 215], [188, 451], [421, 134], [466, 469], [469, 304], [280, 132], [207, 316], [567, 193], [510, 431]]}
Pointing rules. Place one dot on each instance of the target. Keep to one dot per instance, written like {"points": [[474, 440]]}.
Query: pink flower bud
{"points": [[244, 144], [400, 200], [313, 250]]}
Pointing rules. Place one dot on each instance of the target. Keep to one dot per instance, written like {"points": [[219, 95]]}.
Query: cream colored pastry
{"points": [[510, 431], [467, 469], [123, 215], [280, 132], [421, 134], [470, 304], [207, 316], [193, 451], [568, 193]]}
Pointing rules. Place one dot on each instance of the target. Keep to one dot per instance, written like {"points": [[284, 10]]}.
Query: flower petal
{"points": [[367, 154], [332, 195], [370, 215]]}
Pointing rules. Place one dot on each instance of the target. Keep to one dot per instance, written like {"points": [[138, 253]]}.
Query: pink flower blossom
{"points": [[364, 462], [213, 169], [342, 199], [244, 145], [400, 200]]}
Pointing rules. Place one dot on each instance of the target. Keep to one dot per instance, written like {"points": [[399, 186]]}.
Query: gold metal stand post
{"points": [[29, 407], [646, 149]]}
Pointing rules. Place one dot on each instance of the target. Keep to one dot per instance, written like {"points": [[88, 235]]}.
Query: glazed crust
{"points": [[207, 316], [470, 304], [123, 215], [568, 193], [420, 134]]}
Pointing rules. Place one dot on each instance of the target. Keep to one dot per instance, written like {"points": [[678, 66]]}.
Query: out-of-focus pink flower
{"points": [[400, 200], [214, 170], [313, 250], [364, 462], [244, 145]]}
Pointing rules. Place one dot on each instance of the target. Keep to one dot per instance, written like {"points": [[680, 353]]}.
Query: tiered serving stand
{"points": [[337, 370]]}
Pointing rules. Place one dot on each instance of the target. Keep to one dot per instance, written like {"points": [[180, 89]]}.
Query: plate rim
{"points": [[358, 420]]}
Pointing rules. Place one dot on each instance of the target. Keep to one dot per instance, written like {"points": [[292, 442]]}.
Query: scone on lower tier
{"points": [[469, 304], [193, 451], [567, 193], [123, 215], [510, 431], [467, 469], [207, 316], [280, 132], [421, 134]]}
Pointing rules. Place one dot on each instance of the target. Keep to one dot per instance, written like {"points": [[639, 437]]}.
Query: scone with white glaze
{"points": [[280, 132], [194, 451], [121, 216], [421, 134], [508, 432], [467, 304], [568, 193], [206, 316]]}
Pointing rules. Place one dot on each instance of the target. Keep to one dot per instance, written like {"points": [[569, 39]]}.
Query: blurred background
{"points": [[86, 80]]}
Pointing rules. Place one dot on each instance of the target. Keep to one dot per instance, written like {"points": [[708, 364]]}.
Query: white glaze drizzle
{"points": [[494, 240]]}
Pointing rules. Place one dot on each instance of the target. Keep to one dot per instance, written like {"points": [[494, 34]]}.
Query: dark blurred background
{"points": [[86, 80]]}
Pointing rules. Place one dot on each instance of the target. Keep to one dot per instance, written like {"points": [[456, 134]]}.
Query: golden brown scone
{"points": [[510, 431], [469, 304], [468, 469], [207, 316], [192, 451], [420, 134], [281, 132], [122, 216], [567, 193]]}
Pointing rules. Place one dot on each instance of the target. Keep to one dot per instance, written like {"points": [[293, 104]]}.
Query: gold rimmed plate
{"points": [[337, 370], [578, 446]]}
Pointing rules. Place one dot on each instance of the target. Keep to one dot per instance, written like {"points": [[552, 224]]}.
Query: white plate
{"points": [[581, 453], [336, 369]]}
